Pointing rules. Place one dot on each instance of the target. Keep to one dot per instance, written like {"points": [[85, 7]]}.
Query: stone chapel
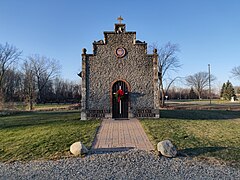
{"points": [[119, 78]]}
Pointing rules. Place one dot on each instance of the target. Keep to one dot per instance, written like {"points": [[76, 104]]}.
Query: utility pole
{"points": [[209, 78]]}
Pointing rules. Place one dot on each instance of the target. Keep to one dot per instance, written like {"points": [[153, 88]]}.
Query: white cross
{"points": [[120, 103]]}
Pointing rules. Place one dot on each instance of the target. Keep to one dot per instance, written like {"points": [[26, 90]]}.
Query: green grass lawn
{"points": [[199, 133], [43, 135]]}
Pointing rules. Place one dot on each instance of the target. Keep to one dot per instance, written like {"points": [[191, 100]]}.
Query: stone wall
{"points": [[103, 67]]}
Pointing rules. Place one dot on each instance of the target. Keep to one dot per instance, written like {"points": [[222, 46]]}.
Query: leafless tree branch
{"points": [[8, 56], [199, 81], [236, 72], [167, 61], [44, 69]]}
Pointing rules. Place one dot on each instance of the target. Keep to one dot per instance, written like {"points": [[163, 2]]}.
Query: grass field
{"points": [[43, 135], [48, 135], [199, 133], [216, 104]]}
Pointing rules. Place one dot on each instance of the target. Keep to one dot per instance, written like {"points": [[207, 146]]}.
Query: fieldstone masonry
{"points": [[104, 67]]}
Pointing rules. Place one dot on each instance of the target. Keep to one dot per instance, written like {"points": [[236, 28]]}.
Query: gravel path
{"points": [[133, 164]]}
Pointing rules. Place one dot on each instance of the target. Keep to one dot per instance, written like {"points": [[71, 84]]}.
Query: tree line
{"points": [[199, 82], [37, 78], [34, 79]]}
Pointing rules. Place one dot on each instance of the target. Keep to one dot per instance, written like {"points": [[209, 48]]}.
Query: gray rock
{"points": [[166, 148], [78, 148]]}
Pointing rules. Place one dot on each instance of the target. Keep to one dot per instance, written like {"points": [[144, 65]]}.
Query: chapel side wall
{"points": [[136, 68]]}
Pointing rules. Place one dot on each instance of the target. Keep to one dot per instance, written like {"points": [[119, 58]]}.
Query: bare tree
{"points": [[29, 84], [236, 72], [12, 84], [199, 81], [167, 61], [8, 56], [45, 69]]}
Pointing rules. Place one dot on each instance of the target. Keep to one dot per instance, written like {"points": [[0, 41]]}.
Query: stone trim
{"points": [[84, 86], [113, 32], [155, 79], [96, 113], [146, 113]]}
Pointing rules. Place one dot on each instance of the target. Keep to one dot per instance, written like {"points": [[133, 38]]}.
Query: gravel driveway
{"points": [[133, 164]]}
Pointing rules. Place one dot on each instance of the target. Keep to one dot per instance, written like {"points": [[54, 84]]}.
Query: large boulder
{"points": [[166, 148], [78, 148]]}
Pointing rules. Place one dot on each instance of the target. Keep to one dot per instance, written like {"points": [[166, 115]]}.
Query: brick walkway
{"points": [[119, 135]]}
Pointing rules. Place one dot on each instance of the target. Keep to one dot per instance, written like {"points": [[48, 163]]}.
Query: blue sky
{"points": [[207, 31]]}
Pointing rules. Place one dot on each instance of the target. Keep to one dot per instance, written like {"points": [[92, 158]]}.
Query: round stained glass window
{"points": [[120, 52]]}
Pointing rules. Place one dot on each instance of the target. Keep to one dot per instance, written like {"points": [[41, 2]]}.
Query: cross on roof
{"points": [[120, 19]]}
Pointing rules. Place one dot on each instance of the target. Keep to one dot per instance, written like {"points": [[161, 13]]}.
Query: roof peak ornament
{"points": [[120, 19]]}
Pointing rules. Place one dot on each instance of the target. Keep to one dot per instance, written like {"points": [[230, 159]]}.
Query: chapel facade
{"points": [[119, 78]]}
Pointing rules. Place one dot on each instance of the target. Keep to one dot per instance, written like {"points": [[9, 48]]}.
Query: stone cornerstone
{"points": [[122, 61]]}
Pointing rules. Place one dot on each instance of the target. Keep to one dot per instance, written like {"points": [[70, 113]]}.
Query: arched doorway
{"points": [[120, 100]]}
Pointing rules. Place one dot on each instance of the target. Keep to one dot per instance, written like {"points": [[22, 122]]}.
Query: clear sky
{"points": [[208, 31]]}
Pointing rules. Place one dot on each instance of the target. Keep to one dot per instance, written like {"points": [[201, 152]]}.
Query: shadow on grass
{"points": [[200, 150], [200, 114]]}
